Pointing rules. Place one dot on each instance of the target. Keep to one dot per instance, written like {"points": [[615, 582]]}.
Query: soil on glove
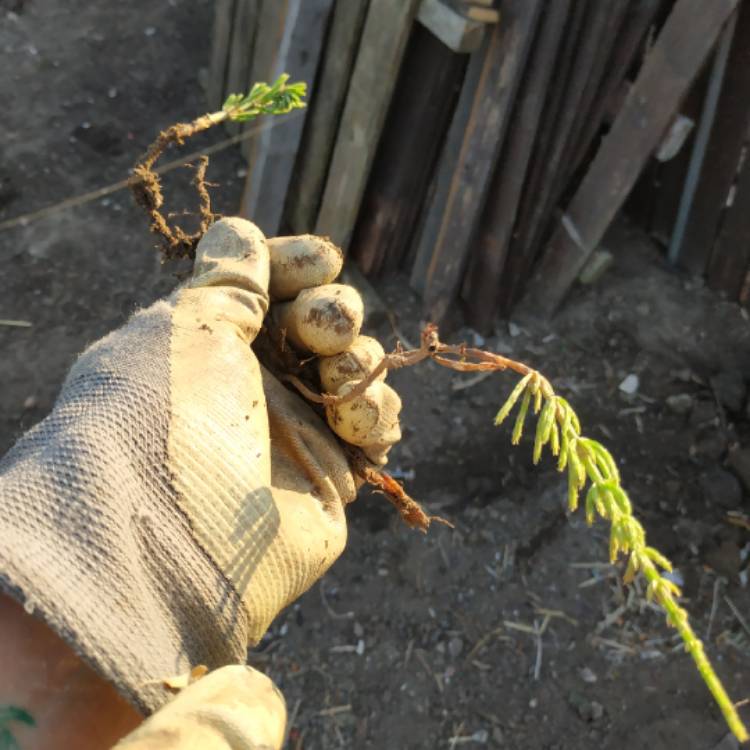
{"points": [[510, 631]]}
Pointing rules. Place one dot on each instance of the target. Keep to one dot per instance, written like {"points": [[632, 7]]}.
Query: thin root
{"points": [[146, 189], [409, 509]]}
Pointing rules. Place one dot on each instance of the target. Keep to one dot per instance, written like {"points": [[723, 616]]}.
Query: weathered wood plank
{"points": [[599, 65], [440, 186], [578, 90], [728, 134], [429, 83], [675, 59], [491, 108], [322, 120], [269, 178], [482, 285], [640, 17], [270, 25], [382, 46], [221, 38], [519, 257], [730, 259]]}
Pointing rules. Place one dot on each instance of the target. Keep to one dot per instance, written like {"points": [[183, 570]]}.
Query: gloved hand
{"points": [[179, 496], [234, 708]]}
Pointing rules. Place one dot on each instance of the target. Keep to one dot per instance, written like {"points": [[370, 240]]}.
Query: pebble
{"points": [[680, 403], [359, 631], [455, 647], [588, 675], [630, 384]]}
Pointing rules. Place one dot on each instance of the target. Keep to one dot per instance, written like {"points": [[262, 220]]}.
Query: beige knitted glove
{"points": [[234, 708], [179, 496]]}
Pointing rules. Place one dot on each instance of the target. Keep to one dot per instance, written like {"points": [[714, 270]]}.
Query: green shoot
{"points": [[586, 460], [277, 99]]}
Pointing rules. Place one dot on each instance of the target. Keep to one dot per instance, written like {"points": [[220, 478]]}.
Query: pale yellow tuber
{"points": [[325, 320], [356, 363], [302, 262], [370, 419]]}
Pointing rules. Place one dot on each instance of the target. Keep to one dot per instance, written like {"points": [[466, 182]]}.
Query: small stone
{"points": [[513, 329], [597, 711], [481, 736], [729, 387], [455, 647], [630, 384], [112, 92], [680, 403], [497, 736], [721, 488], [149, 30], [359, 631], [587, 675], [30, 402], [360, 647]]}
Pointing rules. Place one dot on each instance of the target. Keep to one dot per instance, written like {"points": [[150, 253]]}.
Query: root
{"points": [[410, 510], [457, 357], [146, 188]]}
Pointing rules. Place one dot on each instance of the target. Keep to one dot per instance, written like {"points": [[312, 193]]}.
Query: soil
{"points": [[412, 641]]}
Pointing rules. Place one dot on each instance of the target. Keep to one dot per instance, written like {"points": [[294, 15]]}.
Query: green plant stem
{"points": [[587, 460]]}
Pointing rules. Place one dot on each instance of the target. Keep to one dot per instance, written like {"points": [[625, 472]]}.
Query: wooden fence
{"points": [[485, 148]]}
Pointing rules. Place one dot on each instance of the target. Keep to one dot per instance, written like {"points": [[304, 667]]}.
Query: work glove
{"points": [[234, 708], [179, 495]]}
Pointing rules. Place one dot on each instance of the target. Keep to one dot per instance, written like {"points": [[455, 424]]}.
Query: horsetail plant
{"points": [[588, 461]]}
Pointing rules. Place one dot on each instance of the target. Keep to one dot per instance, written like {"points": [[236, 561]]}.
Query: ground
{"points": [[412, 641]]}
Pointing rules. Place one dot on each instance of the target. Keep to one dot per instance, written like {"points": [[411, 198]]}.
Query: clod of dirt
{"points": [[680, 403], [721, 488], [725, 559], [730, 390]]}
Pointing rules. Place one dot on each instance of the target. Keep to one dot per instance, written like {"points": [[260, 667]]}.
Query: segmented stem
{"points": [[586, 460]]}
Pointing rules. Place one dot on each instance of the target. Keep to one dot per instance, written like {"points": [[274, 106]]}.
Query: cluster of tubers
{"points": [[322, 318]]}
